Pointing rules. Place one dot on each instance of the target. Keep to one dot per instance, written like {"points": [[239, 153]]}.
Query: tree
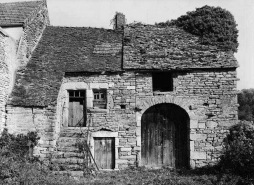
{"points": [[214, 26], [246, 105]]}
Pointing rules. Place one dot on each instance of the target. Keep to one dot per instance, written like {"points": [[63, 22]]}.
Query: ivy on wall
{"points": [[214, 25]]}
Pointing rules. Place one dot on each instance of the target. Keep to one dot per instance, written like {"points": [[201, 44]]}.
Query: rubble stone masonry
{"points": [[208, 96]]}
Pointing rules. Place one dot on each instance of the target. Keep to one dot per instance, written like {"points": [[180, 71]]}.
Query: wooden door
{"points": [[77, 108], [104, 152], [164, 129]]}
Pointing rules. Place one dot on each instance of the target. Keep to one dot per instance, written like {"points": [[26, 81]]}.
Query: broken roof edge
{"points": [[178, 69], [84, 27], [31, 16]]}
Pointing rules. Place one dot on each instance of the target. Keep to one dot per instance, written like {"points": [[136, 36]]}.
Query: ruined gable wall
{"points": [[33, 29], [17, 53]]}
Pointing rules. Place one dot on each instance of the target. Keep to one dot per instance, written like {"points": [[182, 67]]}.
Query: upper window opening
{"points": [[100, 100], [162, 82]]}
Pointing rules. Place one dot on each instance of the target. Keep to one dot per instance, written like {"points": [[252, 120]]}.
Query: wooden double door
{"points": [[165, 136]]}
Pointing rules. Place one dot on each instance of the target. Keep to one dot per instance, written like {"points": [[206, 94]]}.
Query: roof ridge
{"points": [[81, 27], [22, 2]]}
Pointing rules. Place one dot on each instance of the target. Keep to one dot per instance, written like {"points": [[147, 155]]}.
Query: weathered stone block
{"points": [[211, 124], [125, 149], [198, 155], [194, 137], [193, 123]]}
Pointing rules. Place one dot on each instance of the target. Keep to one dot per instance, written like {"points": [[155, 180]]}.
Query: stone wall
{"points": [[118, 121], [208, 96], [210, 99], [21, 120], [7, 71]]}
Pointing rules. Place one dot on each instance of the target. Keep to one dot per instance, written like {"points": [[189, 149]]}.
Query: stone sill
{"points": [[96, 110], [162, 93], [109, 170]]}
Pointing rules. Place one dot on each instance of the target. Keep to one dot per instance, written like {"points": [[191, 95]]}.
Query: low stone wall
{"points": [[21, 120]]}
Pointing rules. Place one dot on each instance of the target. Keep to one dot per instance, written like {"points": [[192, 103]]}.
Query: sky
{"points": [[98, 13]]}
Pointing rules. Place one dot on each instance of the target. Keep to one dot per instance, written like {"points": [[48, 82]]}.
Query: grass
{"points": [[142, 176]]}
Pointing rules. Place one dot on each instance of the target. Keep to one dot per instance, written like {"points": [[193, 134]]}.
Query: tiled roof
{"points": [[168, 48], [17, 12], [65, 49]]}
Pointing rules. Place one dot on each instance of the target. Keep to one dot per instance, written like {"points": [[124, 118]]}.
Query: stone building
{"points": [[139, 94]]}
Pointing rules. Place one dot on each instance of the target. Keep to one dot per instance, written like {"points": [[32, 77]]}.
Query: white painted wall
{"points": [[14, 32]]}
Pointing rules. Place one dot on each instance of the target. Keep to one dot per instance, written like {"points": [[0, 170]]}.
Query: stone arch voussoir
{"points": [[185, 103]]}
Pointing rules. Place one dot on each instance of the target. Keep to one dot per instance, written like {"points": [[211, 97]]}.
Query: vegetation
{"points": [[17, 166], [238, 156], [214, 25], [246, 102]]}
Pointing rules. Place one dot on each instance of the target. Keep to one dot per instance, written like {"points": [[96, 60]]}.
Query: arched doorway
{"points": [[165, 136]]}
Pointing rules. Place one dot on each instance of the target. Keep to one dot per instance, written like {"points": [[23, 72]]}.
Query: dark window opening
{"points": [[162, 82], [123, 106], [77, 108], [100, 98]]}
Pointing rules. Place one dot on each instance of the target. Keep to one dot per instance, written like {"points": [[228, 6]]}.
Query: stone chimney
{"points": [[119, 21]]}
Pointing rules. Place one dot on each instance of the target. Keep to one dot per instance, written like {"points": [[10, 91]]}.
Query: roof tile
{"points": [[17, 12], [65, 49]]}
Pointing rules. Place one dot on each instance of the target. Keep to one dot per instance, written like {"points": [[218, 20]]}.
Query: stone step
{"points": [[67, 149], [69, 141], [71, 173], [68, 154], [73, 133], [73, 160]]}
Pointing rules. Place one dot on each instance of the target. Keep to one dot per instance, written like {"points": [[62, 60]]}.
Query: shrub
{"points": [[246, 102], [17, 145], [214, 26], [238, 156], [17, 166]]}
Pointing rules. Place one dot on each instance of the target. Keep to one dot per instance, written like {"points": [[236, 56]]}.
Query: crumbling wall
{"points": [[14, 54], [33, 29]]}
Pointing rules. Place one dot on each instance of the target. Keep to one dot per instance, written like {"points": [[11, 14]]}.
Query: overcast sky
{"points": [[98, 13]]}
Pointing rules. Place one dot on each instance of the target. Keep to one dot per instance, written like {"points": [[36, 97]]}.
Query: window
{"points": [[162, 82], [100, 98], [77, 108]]}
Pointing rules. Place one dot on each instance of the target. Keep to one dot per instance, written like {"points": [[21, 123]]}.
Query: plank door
{"points": [[164, 136], [104, 152], [77, 109]]}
